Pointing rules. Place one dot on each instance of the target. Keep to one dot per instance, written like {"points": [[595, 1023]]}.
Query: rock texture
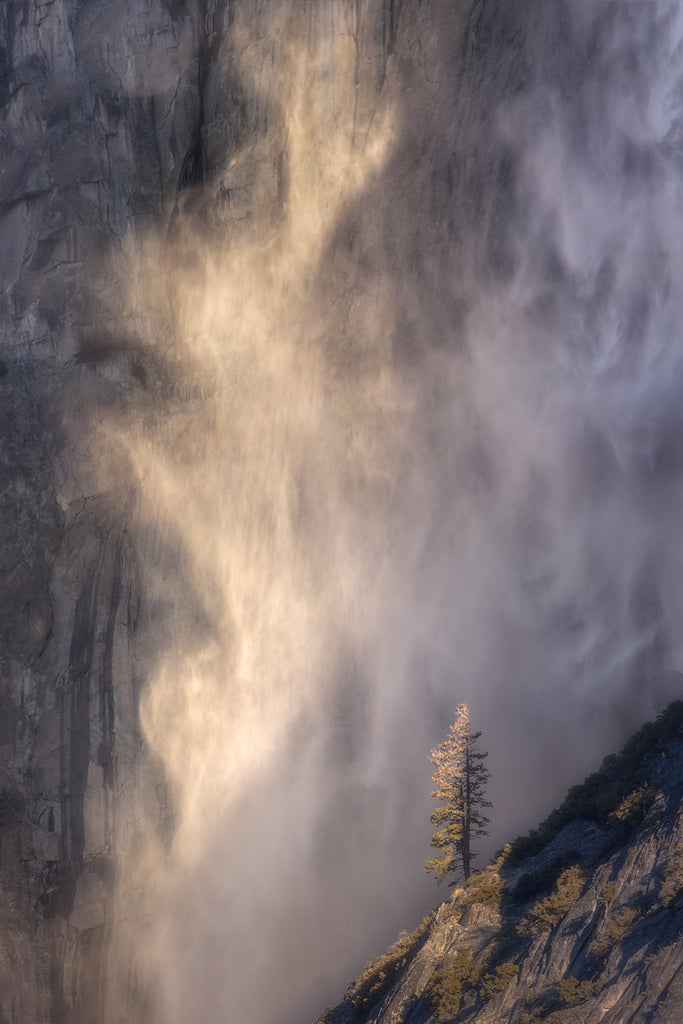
{"points": [[148, 118], [113, 119], [612, 950]]}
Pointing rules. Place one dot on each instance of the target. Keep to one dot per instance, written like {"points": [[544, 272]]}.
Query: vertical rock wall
{"points": [[113, 119]]}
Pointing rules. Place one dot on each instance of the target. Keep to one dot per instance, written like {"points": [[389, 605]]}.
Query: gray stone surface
{"points": [[113, 119], [638, 978], [159, 118]]}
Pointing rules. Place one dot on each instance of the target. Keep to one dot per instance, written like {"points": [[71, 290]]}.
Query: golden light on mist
{"points": [[388, 415], [267, 466]]}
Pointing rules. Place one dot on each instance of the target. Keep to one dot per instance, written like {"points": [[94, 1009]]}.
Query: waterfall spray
{"points": [[414, 441]]}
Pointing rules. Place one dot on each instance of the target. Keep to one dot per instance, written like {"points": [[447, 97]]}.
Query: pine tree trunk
{"points": [[467, 818]]}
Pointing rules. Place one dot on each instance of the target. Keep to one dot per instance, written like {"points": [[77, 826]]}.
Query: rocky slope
{"points": [[581, 921]]}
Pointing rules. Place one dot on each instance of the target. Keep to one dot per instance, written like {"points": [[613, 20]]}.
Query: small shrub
{"points": [[502, 977], [613, 929], [545, 914], [485, 887], [535, 883], [672, 887], [603, 792], [567, 1015], [444, 991], [559, 1006], [625, 818], [607, 894], [571, 991]]}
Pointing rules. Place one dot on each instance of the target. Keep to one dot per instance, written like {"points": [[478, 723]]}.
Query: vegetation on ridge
{"points": [[619, 792], [487, 941], [485, 887], [379, 975], [447, 987], [546, 913], [613, 929]]}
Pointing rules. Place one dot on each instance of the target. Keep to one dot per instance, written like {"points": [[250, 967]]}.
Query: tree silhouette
{"points": [[460, 777]]}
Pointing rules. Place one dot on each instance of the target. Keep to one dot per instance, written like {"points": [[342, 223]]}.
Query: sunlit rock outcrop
{"points": [[581, 921]]}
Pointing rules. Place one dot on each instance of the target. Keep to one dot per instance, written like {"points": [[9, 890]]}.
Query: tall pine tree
{"points": [[460, 777]]}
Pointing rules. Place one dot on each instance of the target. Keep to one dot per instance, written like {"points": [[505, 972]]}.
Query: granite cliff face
{"points": [[582, 921], [113, 119]]}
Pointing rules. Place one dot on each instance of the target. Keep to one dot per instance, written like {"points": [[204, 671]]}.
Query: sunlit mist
{"points": [[402, 442]]}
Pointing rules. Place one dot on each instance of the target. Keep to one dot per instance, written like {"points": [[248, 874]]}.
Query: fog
{"points": [[416, 441]]}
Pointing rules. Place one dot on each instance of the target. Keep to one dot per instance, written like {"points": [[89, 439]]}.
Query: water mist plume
{"points": [[271, 474], [415, 442]]}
